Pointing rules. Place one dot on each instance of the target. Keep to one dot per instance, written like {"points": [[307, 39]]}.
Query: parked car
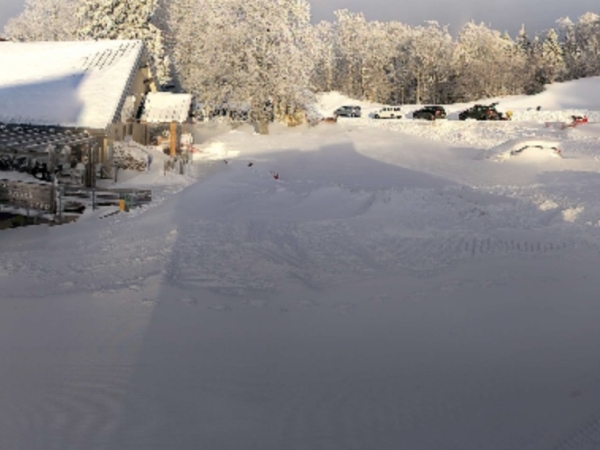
{"points": [[430, 113], [482, 112], [388, 112], [348, 111]]}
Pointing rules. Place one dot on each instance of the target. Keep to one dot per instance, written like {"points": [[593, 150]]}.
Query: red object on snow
{"points": [[575, 120], [276, 176]]}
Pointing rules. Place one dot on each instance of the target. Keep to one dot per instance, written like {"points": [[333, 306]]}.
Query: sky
{"points": [[505, 15]]}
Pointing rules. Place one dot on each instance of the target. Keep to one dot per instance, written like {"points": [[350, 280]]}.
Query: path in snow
{"points": [[372, 297]]}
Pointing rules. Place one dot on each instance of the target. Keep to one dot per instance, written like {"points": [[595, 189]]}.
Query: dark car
{"points": [[430, 113], [348, 111], [481, 112]]}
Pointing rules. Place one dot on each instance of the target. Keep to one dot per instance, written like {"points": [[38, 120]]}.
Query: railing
{"points": [[74, 200]]}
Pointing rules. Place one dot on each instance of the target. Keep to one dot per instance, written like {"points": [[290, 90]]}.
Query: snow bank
{"points": [[582, 94], [526, 150], [129, 149]]}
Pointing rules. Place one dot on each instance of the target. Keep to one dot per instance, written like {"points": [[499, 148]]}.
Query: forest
{"points": [[259, 51]]}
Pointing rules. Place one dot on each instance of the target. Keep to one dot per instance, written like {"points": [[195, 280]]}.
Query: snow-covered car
{"points": [[388, 112], [348, 111], [525, 147]]}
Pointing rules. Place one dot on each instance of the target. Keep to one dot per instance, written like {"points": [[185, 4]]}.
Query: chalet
{"points": [[81, 84], [98, 86]]}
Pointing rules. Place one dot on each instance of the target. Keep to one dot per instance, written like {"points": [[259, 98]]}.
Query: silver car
{"points": [[348, 111]]}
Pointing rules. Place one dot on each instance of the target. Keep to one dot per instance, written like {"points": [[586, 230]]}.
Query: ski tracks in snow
{"points": [[81, 411], [586, 437], [419, 231], [211, 246]]}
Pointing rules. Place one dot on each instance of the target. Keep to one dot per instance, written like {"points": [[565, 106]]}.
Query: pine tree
{"points": [[550, 64], [570, 48], [125, 19], [523, 41]]}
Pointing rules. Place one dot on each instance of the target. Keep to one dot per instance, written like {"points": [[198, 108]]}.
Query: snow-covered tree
{"points": [[379, 76], [523, 42], [431, 53], [181, 22], [581, 45], [570, 47], [125, 19], [44, 20], [548, 59], [277, 34], [588, 39], [325, 57], [396, 36], [490, 64], [351, 29], [253, 52], [526, 50]]}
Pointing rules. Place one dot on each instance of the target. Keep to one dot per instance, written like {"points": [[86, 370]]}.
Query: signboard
{"points": [[21, 194]]}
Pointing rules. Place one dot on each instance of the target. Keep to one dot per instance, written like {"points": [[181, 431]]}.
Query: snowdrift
{"points": [[557, 103], [570, 95], [526, 149]]}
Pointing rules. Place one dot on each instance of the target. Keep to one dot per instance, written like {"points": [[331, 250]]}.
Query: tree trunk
{"points": [[261, 126], [330, 70]]}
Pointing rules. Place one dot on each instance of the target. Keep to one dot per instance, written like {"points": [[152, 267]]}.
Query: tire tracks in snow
{"points": [[587, 437], [259, 256]]}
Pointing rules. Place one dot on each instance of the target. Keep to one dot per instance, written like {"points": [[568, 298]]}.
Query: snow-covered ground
{"points": [[364, 284]]}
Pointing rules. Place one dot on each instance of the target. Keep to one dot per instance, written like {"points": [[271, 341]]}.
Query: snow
{"points": [[526, 150], [166, 107], [76, 84], [559, 102], [394, 288]]}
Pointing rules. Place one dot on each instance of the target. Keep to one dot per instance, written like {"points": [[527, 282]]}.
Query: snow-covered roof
{"points": [[76, 84], [166, 107]]}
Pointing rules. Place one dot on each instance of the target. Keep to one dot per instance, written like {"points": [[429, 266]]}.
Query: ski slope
{"points": [[393, 287]]}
